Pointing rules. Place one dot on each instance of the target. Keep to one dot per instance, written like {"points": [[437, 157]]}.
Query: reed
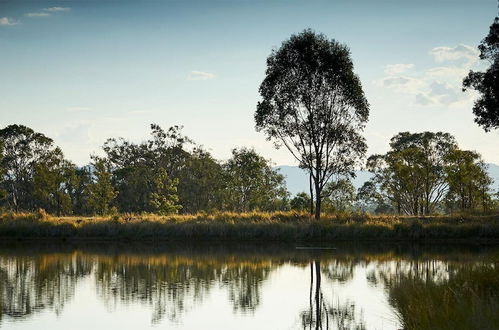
{"points": [[276, 226]]}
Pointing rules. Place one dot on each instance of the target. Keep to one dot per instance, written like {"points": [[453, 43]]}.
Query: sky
{"points": [[82, 71]]}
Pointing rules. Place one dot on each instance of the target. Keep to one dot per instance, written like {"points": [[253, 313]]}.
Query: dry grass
{"points": [[277, 226]]}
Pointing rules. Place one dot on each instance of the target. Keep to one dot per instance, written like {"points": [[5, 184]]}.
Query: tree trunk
{"points": [[311, 193], [318, 200], [318, 317], [484, 201], [318, 197], [14, 198], [311, 290]]}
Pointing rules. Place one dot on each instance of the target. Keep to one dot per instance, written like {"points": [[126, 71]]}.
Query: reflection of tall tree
{"points": [[30, 284], [323, 315]]}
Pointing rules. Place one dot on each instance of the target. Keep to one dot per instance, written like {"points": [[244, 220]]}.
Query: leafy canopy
{"points": [[486, 107], [313, 104]]}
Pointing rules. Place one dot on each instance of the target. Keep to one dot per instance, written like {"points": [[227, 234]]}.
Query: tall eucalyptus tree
{"points": [[313, 104]]}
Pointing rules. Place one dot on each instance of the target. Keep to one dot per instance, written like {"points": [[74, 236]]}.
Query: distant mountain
{"points": [[494, 174], [297, 179]]}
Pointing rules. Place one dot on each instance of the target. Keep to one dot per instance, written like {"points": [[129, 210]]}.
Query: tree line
{"points": [[427, 173], [423, 173], [168, 173]]}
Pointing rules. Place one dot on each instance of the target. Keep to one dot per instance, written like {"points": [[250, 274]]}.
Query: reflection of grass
{"points": [[468, 300], [278, 226]]}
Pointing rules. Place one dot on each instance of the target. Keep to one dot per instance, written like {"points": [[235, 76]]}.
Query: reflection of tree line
{"points": [[30, 284], [172, 283], [431, 294]]}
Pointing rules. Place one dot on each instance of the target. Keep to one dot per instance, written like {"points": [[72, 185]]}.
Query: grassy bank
{"points": [[278, 226]]}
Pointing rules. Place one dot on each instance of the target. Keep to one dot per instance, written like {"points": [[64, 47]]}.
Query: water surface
{"points": [[179, 286]]}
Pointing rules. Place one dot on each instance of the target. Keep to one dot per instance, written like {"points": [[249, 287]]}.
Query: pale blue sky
{"points": [[81, 71]]}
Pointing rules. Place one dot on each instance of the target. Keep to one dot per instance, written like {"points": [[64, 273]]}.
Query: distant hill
{"points": [[297, 179], [494, 174]]}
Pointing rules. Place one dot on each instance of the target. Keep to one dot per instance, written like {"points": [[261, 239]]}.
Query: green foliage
{"points": [[370, 199], [101, 192], [468, 181], [164, 199], [201, 183], [424, 173], [77, 183], [50, 184], [340, 194], [301, 202], [486, 107], [135, 168], [23, 150], [252, 184], [245, 182], [157, 176], [313, 104], [411, 176]]}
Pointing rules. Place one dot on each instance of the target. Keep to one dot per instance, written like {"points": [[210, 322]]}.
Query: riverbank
{"points": [[254, 226]]}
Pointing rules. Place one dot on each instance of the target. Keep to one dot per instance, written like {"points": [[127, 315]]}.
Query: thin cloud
{"points": [[40, 14], [443, 53], [427, 89], [436, 86], [392, 69], [55, 9], [78, 109], [402, 84], [393, 81], [199, 75], [423, 99], [141, 112], [48, 11], [447, 73], [7, 21], [446, 93]]}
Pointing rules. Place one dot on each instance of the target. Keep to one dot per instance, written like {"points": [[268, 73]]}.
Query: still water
{"points": [[179, 286]]}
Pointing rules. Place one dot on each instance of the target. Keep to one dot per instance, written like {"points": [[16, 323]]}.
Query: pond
{"points": [[252, 286]]}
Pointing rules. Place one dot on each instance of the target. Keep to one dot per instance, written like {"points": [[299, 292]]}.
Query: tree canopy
{"points": [[313, 104], [421, 171], [486, 107], [24, 151], [252, 183], [167, 173]]}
